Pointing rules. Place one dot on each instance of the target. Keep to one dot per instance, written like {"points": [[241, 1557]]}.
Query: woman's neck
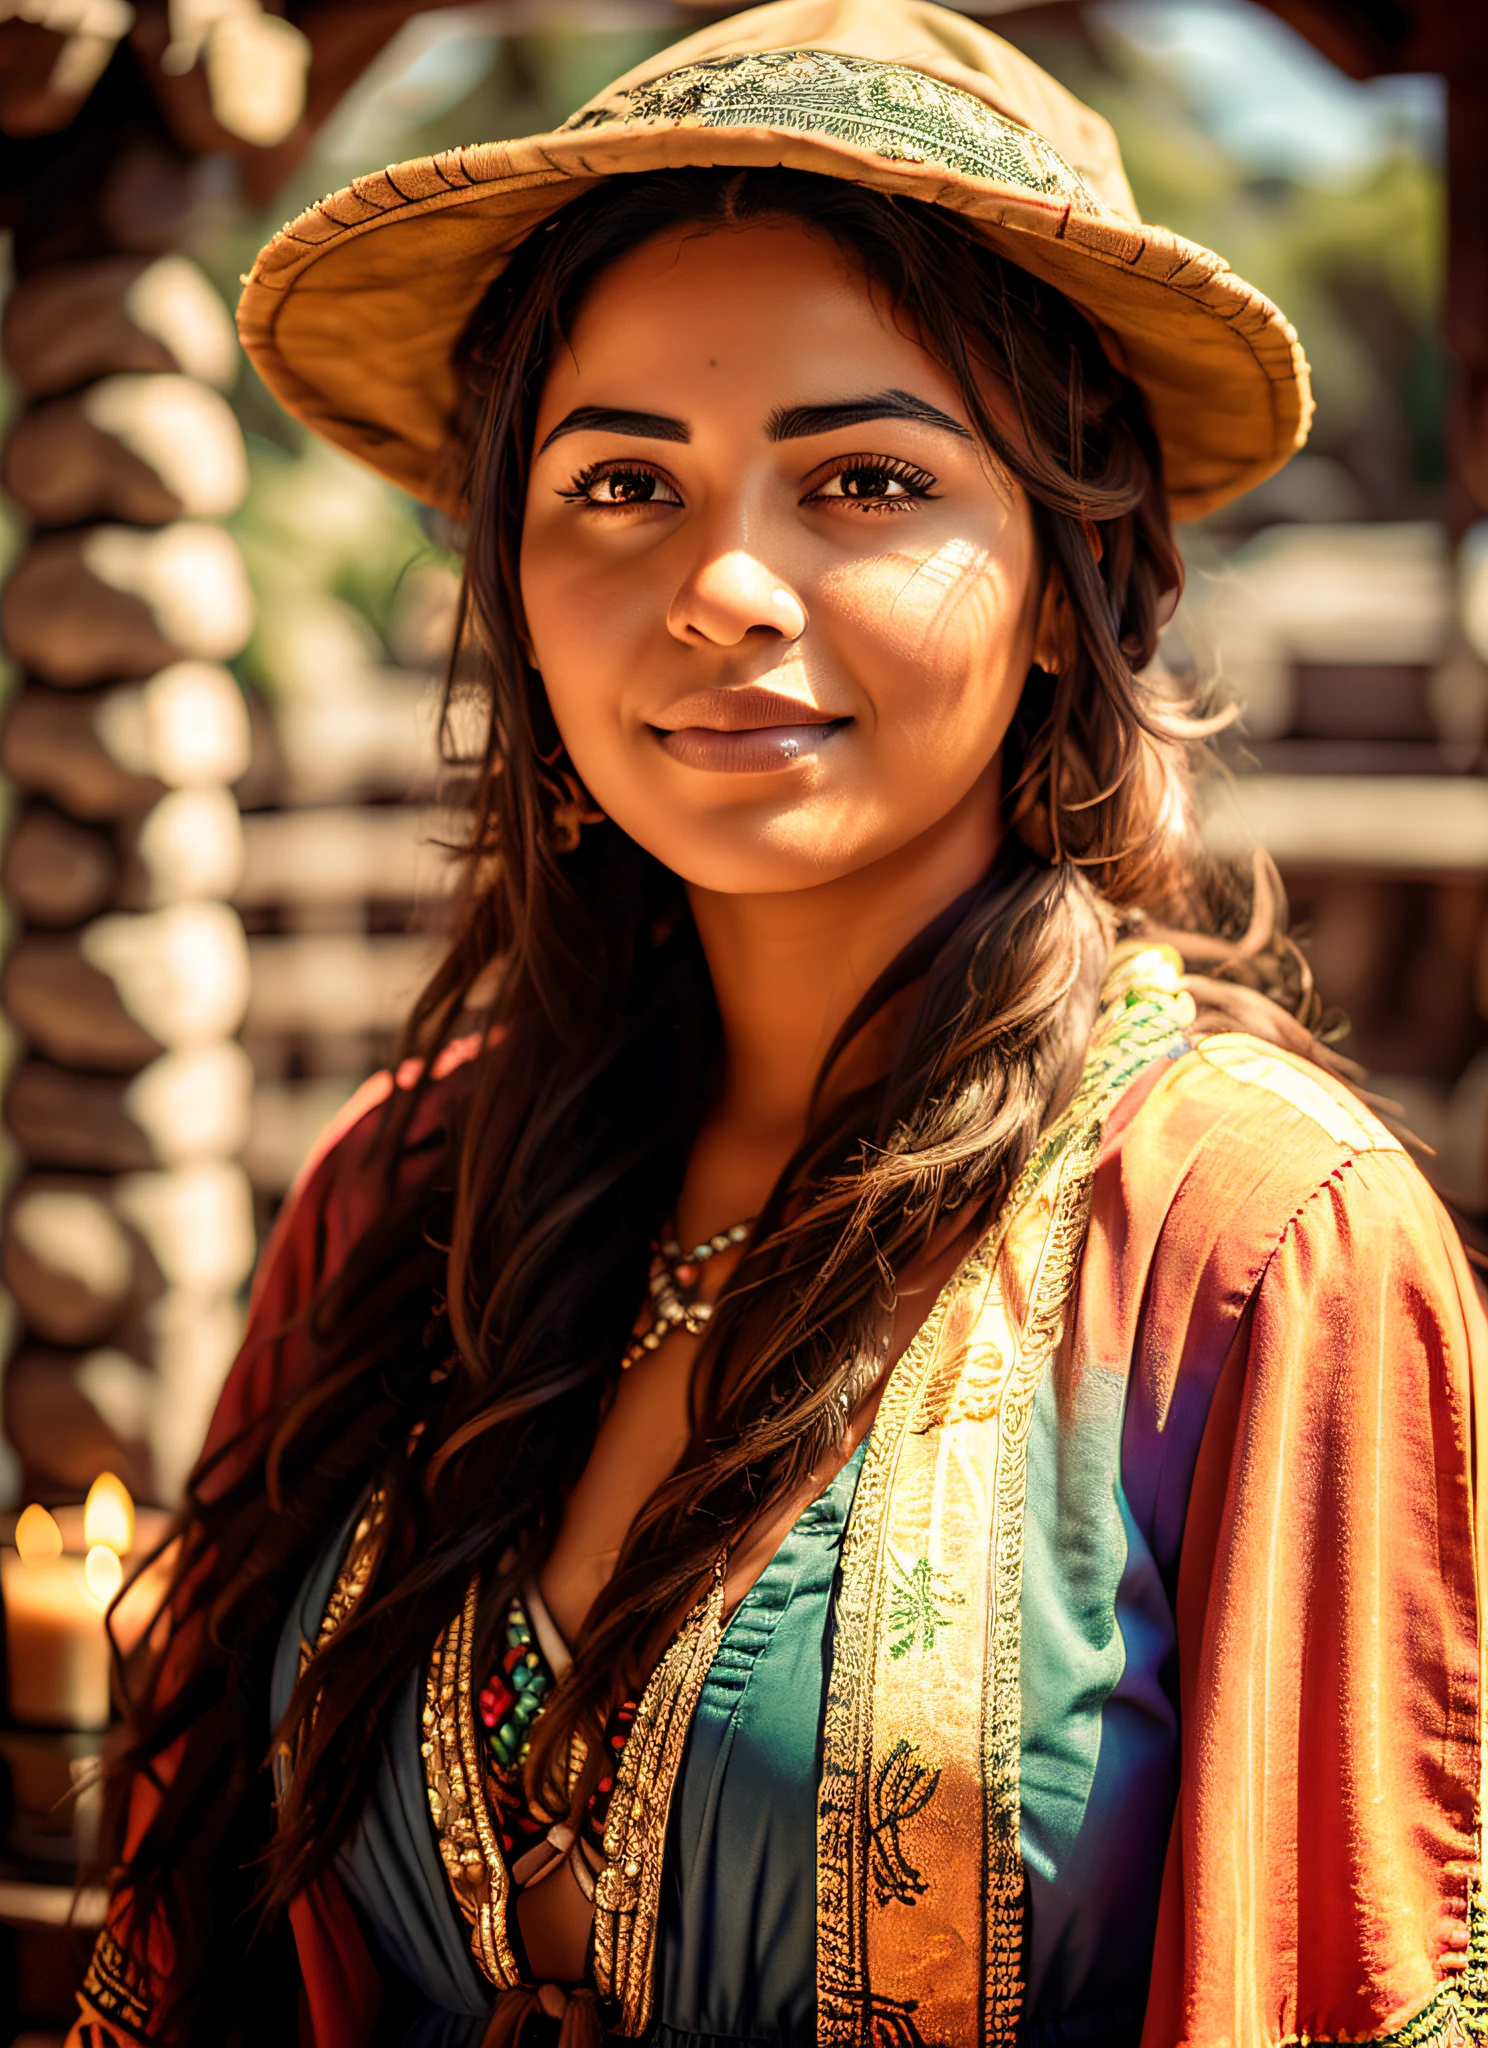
{"points": [[788, 970]]}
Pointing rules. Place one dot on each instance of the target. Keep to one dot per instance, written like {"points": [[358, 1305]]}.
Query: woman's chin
{"points": [[786, 855]]}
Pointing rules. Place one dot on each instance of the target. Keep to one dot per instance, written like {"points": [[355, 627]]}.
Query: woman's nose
{"points": [[730, 596]]}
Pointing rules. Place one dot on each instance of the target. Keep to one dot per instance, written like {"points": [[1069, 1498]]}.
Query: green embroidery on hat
{"points": [[901, 114]]}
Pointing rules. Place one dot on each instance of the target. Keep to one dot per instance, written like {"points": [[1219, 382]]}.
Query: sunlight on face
{"points": [[782, 602]]}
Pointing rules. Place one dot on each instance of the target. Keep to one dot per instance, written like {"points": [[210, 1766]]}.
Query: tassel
{"points": [[582, 2026]]}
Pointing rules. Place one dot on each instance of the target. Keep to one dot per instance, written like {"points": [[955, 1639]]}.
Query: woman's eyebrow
{"points": [[617, 419], [795, 422]]}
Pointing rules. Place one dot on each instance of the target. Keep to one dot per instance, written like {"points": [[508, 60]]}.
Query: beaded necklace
{"points": [[674, 1287]]}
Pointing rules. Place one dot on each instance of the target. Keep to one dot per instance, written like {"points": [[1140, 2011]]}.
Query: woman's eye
{"points": [[877, 485], [621, 486]]}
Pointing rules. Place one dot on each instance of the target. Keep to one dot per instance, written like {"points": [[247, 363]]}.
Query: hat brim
{"points": [[352, 313]]}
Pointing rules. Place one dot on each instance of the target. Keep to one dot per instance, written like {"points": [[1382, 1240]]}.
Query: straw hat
{"points": [[352, 311]]}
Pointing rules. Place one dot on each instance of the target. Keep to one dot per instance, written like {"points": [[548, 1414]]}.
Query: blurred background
{"points": [[220, 647]]}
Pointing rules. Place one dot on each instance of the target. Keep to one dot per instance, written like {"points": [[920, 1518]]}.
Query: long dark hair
{"points": [[464, 1350]]}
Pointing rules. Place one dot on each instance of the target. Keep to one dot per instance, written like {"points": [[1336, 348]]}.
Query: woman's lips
{"points": [[748, 750]]}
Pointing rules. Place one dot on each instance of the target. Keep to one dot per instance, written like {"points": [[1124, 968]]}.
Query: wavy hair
{"points": [[464, 1351]]}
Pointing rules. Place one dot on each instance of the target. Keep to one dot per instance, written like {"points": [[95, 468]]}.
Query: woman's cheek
{"points": [[582, 650], [935, 636]]}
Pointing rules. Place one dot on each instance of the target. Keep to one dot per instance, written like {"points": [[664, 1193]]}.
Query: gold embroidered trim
{"points": [[844, 2014], [468, 1845], [1002, 1696], [891, 110], [112, 1990], [363, 1554], [627, 1892]]}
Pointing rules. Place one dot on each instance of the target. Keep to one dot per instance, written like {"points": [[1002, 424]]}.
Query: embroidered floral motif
{"points": [[891, 2025], [902, 1787], [509, 1705], [891, 110], [917, 1607]]}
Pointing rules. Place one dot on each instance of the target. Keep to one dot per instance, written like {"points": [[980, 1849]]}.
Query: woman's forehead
{"points": [[763, 317]]}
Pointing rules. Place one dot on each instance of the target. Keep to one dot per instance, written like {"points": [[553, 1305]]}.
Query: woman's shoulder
{"points": [[351, 1169], [1220, 1157], [1253, 1224], [1235, 1115], [351, 1137]]}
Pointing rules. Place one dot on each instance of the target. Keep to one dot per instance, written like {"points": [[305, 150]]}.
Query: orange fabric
{"points": [[1296, 1308]]}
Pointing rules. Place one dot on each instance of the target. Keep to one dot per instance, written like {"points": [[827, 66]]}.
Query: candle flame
{"points": [[108, 1514], [102, 1573], [37, 1536]]}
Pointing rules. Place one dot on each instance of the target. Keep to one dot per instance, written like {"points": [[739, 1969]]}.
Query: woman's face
{"points": [[782, 601]]}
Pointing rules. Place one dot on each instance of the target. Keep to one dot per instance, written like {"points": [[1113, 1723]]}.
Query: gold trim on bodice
{"points": [[627, 1893], [353, 1576], [363, 1553], [468, 1844]]}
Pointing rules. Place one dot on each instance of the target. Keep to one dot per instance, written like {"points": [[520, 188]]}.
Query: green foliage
{"points": [[1356, 260]]}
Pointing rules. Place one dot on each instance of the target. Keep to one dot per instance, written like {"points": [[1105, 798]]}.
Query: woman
{"points": [[842, 1454]]}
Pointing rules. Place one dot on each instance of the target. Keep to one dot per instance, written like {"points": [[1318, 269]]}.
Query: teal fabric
{"points": [[1099, 1766], [738, 1928]]}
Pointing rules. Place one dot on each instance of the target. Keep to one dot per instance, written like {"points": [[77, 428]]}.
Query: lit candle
{"points": [[57, 1662], [57, 1651]]}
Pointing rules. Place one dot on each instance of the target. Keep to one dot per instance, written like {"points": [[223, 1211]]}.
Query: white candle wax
{"points": [[57, 1656]]}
